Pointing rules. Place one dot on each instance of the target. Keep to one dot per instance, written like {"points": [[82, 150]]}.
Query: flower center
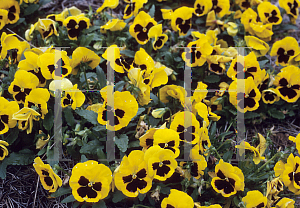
{"points": [[55, 65], [183, 22], [285, 53], [246, 96], [77, 26], [160, 164], [22, 89], [36, 70], [144, 29], [185, 130], [134, 176], [166, 144]]}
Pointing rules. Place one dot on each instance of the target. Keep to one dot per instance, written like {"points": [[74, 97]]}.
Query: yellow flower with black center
{"points": [[113, 25], [22, 85], [3, 149], [3, 18], [285, 49], [13, 8], [167, 139], [159, 38], [202, 7], [132, 177], [197, 165], [112, 4], [187, 126], [90, 181], [7, 109], [296, 140], [59, 18], [289, 173], [30, 64], [146, 141], [288, 84], [75, 24], [49, 62], [38, 99], [174, 91], [245, 99], [85, 55], [213, 104], [244, 67], [49, 179], [291, 7], [255, 199], [199, 51], [161, 162], [274, 187], [177, 199], [73, 97], [258, 46], [118, 116], [270, 96], [269, 13], [182, 20], [257, 151], [228, 180], [285, 203], [132, 8], [141, 26], [46, 27], [216, 63], [221, 7], [248, 16], [25, 118], [12, 48], [244, 4], [119, 64]]}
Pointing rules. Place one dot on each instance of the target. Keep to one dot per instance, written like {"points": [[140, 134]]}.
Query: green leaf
{"points": [[3, 165], [227, 156], [276, 114], [213, 130], [122, 142], [102, 156], [68, 199], [91, 147], [83, 158], [165, 190], [212, 78], [23, 157], [90, 116], [76, 204], [12, 135], [152, 11], [251, 115], [68, 113], [48, 120], [31, 9], [169, 58], [118, 196], [142, 197], [100, 204], [101, 77], [61, 191], [178, 59]]}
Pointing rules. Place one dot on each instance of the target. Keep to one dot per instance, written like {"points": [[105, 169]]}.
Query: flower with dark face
{"points": [[182, 20], [161, 162], [49, 179], [22, 85], [3, 149], [187, 126], [146, 141], [269, 13], [46, 27], [75, 24], [73, 97], [291, 7], [7, 109], [159, 38], [59, 18], [216, 60], [228, 179], [167, 139], [118, 116], [25, 118], [141, 26], [202, 7], [221, 7], [270, 96], [288, 84], [285, 49], [177, 199], [90, 181], [49, 63], [204, 141], [132, 8], [289, 173], [255, 199], [13, 8], [3, 18], [118, 63], [132, 177]]}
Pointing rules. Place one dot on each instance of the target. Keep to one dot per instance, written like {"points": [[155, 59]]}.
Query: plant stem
{"points": [[87, 84], [169, 124], [259, 169]]}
